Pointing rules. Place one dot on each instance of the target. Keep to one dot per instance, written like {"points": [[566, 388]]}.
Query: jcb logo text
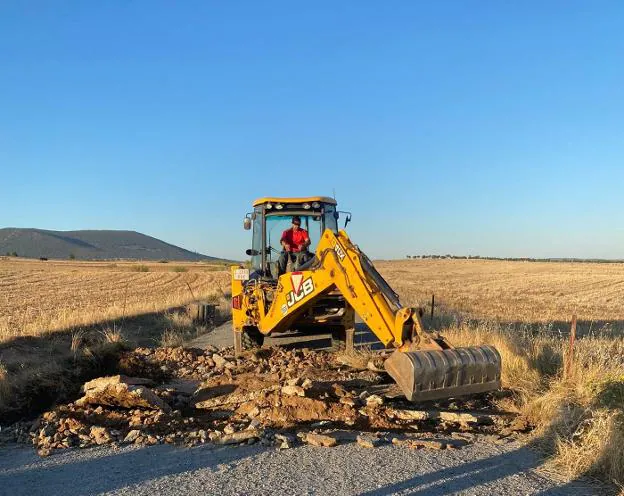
{"points": [[307, 287], [340, 252]]}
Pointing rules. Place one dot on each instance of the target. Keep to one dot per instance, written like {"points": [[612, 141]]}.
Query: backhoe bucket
{"points": [[436, 374]]}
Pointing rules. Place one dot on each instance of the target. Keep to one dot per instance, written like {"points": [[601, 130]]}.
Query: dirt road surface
{"points": [[481, 468]]}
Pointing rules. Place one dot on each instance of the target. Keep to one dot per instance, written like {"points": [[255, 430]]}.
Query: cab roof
{"points": [[307, 199]]}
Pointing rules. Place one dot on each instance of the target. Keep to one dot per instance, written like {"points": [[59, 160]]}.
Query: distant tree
{"points": [[8, 254], [72, 256], [409, 256], [14, 254]]}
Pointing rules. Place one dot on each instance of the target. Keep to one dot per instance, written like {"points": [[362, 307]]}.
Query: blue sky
{"points": [[491, 128]]}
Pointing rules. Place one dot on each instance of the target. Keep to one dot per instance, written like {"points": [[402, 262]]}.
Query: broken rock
{"points": [[450, 417], [213, 396], [287, 441], [102, 382], [374, 400], [368, 441], [132, 436], [219, 361], [100, 435], [419, 443], [321, 440], [237, 437], [126, 392], [293, 390]]}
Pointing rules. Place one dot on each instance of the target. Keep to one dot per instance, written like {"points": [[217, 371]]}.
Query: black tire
{"points": [[252, 338]]}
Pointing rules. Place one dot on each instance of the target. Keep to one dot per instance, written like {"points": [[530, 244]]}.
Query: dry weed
{"points": [[357, 359], [579, 416], [172, 339], [179, 320], [113, 335], [77, 340]]}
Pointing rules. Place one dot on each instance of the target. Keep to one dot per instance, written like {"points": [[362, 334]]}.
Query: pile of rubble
{"points": [[275, 397]]}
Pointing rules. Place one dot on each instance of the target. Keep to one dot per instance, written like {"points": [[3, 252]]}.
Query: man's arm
{"points": [[284, 240], [306, 241]]}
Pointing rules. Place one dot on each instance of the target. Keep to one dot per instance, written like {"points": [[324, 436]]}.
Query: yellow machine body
{"points": [[425, 365]]}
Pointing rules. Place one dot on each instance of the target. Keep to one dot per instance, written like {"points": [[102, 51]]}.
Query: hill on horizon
{"points": [[91, 245]]}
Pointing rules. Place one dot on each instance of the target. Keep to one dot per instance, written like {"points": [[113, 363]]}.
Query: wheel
{"points": [[252, 338], [338, 340]]}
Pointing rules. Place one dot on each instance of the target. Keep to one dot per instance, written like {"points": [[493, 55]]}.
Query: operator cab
{"points": [[272, 216]]}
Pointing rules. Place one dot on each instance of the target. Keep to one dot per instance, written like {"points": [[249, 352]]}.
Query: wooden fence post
{"points": [[432, 305], [570, 358]]}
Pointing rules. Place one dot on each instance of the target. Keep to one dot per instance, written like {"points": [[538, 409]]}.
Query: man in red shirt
{"points": [[295, 242]]}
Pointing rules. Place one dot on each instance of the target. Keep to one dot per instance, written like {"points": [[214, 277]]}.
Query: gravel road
{"points": [[479, 469]]}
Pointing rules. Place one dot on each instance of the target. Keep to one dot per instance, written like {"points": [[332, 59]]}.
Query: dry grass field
{"points": [[39, 297], [529, 292], [577, 413]]}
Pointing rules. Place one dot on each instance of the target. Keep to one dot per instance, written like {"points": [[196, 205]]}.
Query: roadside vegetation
{"points": [[575, 404]]}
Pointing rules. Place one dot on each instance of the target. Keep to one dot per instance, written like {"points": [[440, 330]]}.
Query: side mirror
{"points": [[247, 224], [347, 217], [252, 253]]}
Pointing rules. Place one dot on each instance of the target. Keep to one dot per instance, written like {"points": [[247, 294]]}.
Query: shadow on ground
{"points": [[37, 371], [90, 472], [526, 460], [93, 474], [363, 339]]}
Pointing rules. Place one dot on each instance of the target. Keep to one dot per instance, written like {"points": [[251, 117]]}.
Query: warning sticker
{"points": [[305, 288], [296, 279]]}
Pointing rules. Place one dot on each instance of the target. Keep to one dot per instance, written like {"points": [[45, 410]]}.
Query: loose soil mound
{"points": [[273, 396]]}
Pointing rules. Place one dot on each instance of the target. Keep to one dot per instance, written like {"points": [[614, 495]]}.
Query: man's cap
{"points": [[296, 220]]}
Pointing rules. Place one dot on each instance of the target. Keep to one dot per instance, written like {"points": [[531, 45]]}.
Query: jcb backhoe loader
{"points": [[323, 294]]}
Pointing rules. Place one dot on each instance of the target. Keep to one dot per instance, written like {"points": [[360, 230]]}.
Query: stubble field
{"points": [[510, 292], [38, 297], [41, 297]]}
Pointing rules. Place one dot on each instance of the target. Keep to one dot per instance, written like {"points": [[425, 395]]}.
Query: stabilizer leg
{"points": [[238, 342]]}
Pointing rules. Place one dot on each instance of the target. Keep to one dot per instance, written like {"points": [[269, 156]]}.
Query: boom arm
{"points": [[341, 264]]}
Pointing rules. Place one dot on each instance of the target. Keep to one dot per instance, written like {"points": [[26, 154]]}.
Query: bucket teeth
{"points": [[436, 374]]}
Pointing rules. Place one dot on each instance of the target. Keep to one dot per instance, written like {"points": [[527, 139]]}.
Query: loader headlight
{"points": [[279, 206], [306, 206], [269, 206], [316, 205]]}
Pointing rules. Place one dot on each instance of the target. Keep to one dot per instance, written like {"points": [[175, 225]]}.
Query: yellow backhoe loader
{"points": [[322, 293]]}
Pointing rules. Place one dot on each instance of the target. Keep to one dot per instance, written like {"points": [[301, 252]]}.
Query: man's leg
{"points": [[291, 263], [282, 263], [303, 257]]}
